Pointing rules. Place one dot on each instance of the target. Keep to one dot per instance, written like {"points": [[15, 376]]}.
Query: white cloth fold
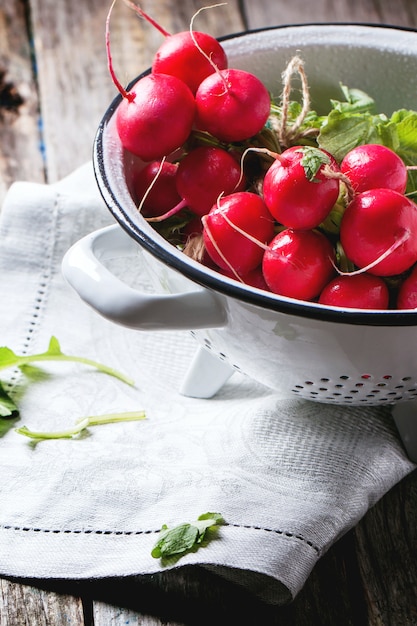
{"points": [[289, 476]]}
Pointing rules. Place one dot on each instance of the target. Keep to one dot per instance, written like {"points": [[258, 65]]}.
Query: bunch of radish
{"points": [[214, 178]]}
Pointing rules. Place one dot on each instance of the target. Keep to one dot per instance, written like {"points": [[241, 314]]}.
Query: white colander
{"points": [[319, 353]]}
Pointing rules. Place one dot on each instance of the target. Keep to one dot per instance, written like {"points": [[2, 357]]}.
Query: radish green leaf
{"points": [[312, 161], [185, 537], [7, 406]]}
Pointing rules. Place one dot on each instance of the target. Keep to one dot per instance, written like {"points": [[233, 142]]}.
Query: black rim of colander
{"points": [[215, 281]]}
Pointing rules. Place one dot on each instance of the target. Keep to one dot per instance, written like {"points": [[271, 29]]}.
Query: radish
{"points": [[298, 263], [156, 115], [407, 292], [378, 232], [180, 57], [371, 166], [204, 174], [361, 291], [296, 189], [236, 230], [190, 55], [232, 105], [155, 187]]}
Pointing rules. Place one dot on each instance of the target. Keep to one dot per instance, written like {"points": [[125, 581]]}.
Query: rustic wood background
{"points": [[54, 88]]}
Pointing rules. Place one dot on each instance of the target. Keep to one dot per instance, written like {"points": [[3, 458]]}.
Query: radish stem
{"points": [[130, 96], [159, 218], [147, 17]]}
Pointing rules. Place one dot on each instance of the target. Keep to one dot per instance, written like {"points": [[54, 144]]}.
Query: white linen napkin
{"points": [[289, 476]]}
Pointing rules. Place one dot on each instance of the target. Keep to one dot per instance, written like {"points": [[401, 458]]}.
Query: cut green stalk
{"points": [[8, 358], [81, 425]]}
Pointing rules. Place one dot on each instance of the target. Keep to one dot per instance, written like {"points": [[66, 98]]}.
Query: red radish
{"points": [[378, 231], [180, 57], [191, 55], [298, 263], [204, 174], [296, 189], [235, 231], [407, 292], [155, 187], [156, 115], [232, 105], [372, 166], [361, 291]]}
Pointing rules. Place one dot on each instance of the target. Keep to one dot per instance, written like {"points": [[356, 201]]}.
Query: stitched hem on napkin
{"points": [[74, 555]]}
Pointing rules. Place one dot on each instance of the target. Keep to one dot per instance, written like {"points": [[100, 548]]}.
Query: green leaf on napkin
{"points": [[8, 358], [185, 537], [7, 406]]}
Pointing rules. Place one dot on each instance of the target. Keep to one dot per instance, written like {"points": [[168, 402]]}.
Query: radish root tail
{"points": [[200, 49]]}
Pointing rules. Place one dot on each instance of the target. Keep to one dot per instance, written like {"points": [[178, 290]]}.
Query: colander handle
{"points": [[83, 268]]}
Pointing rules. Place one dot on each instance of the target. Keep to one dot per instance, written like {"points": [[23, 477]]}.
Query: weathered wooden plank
{"points": [[265, 12], [20, 154], [386, 541], [22, 605], [108, 615], [74, 86]]}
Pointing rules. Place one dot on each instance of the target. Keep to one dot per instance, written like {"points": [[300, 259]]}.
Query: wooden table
{"points": [[54, 88]]}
